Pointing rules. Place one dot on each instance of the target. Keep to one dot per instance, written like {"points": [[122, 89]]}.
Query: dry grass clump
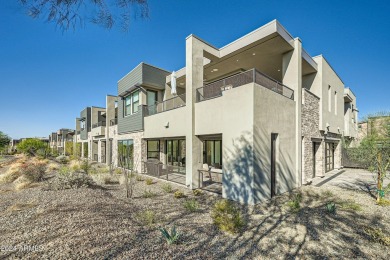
{"points": [[21, 206], [75, 165], [22, 186], [227, 217], [13, 172], [52, 167], [377, 235]]}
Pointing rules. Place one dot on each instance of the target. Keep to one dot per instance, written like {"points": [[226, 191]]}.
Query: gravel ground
{"points": [[101, 223]]}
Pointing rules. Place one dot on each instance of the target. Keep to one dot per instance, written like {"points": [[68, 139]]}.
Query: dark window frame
{"points": [[126, 153], [180, 160], [151, 151], [205, 151]]}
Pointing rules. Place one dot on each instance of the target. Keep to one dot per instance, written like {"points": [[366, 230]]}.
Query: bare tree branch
{"points": [[67, 14]]}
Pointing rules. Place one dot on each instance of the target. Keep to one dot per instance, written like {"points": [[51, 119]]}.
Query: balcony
{"points": [[98, 129], [100, 123], [166, 105], [215, 89], [113, 121]]}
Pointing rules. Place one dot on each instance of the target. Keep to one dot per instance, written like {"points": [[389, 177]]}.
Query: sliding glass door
{"points": [[212, 153], [176, 152]]}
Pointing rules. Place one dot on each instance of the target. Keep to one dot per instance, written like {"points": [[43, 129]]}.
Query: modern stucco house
{"points": [[92, 138], [253, 119]]}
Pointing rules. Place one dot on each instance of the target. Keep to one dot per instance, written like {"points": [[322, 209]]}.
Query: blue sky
{"points": [[47, 77]]}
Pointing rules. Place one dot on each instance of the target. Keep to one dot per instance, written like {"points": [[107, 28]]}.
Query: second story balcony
{"points": [[166, 105], [98, 129], [215, 89], [113, 121]]}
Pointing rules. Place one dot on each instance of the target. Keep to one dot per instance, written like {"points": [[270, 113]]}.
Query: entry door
{"points": [[273, 164], [329, 156]]}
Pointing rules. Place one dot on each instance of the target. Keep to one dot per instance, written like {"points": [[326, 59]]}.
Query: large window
{"points": [[125, 154], [153, 151], [176, 152], [212, 153], [329, 156], [131, 104]]}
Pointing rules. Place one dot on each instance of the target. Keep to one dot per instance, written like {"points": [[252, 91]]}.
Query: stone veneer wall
{"points": [[310, 129], [139, 148]]}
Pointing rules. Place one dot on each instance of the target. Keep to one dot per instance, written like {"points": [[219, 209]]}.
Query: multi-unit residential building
{"points": [[92, 131], [253, 119], [58, 140]]}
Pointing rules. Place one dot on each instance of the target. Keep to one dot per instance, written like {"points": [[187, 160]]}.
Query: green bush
{"points": [[146, 218], [191, 205], [171, 237], [331, 207], [139, 178], [227, 217], [118, 171], [167, 188], [149, 181], [178, 194], [31, 145], [86, 166], [71, 180], [149, 194], [197, 192], [295, 203]]}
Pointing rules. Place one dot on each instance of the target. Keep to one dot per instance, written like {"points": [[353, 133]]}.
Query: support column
{"points": [[195, 50], [292, 77]]}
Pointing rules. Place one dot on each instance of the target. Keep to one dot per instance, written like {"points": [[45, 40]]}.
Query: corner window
{"points": [[153, 151], [131, 104]]}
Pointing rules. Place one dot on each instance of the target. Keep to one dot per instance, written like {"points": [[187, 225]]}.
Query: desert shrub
{"points": [[31, 145], [118, 171], [52, 167], [75, 165], [22, 186], [103, 169], [34, 172], [71, 180], [331, 207], [167, 188], [110, 180], [139, 178], [148, 194], [377, 235], [384, 202], [171, 237], [86, 166], [178, 194], [146, 218], [227, 217], [197, 192], [295, 203], [62, 159], [191, 205], [13, 172], [149, 181], [349, 205], [43, 152]]}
